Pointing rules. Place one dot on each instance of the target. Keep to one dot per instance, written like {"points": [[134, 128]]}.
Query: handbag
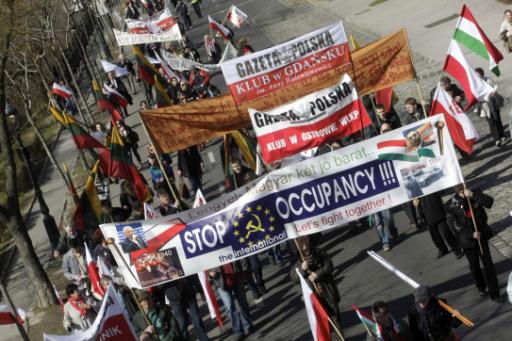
{"points": [[183, 189]]}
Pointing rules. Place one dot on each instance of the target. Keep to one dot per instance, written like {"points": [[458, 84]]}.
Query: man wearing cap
{"points": [[470, 237], [430, 322], [163, 325]]}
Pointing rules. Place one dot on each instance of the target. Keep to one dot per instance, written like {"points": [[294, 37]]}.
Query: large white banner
{"points": [[127, 38], [262, 72], [329, 114], [161, 23], [308, 197], [184, 64]]}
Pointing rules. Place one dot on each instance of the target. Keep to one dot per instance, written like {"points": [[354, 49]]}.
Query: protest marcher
{"points": [[392, 329], [78, 315], [228, 281], [456, 93], [111, 214], [506, 30], [69, 234], [128, 299], [181, 295], [199, 80], [101, 250], [490, 110], [74, 267], [173, 89], [137, 211], [386, 117], [432, 210], [190, 165], [196, 4], [163, 324], [102, 185], [470, 240], [127, 197], [116, 83], [157, 175], [244, 47], [317, 268], [131, 77], [130, 140], [184, 14], [166, 207], [99, 133], [428, 321], [383, 222], [213, 50], [186, 93], [414, 111], [131, 10]]}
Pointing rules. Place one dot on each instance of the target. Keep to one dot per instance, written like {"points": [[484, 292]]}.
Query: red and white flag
{"points": [[317, 316], [104, 269], [59, 299], [6, 317], [475, 88], [462, 130], [116, 96], [149, 212], [61, 90], [211, 299], [218, 27], [236, 16], [384, 97], [164, 22], [94, 276], [310, 121], [111, 323]]}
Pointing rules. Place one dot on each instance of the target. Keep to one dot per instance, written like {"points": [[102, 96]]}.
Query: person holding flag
{"points": [[78, 315], [386, 327]]}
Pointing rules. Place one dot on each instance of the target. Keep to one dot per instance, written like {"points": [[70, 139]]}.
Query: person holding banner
{"points": [[429, 321], [244, 47], [473, 234]]}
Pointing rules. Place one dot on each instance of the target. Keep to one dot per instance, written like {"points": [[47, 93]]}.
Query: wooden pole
{"points": [[14, 312], [418, 87], [71, 185], [316, 290], [473, 217], [452, 311], [176, 196]]}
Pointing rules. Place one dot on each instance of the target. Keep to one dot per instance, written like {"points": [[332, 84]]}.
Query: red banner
{"points": [[322, 116]]}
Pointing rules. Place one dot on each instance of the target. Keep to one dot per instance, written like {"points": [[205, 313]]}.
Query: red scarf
{"points": [[78, 304]]}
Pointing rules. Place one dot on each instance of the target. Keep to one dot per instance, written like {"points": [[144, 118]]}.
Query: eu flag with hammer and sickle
{"points": [[254, 224]]}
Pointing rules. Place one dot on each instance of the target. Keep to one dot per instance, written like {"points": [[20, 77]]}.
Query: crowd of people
{"points": [[458, 225]]}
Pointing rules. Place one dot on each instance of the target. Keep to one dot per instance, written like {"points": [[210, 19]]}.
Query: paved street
{"points": [[281, 316]]}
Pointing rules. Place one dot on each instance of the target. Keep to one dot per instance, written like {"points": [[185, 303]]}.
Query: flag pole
{"points": [[226, 17], [171, 186], [111, 241], [14, 313], [316, 290], [415, 285], [364, 324], [418, 87]]}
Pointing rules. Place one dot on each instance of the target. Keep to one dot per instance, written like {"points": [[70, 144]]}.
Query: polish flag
{"points": [[59, 300], [149, 212], [61, 90], [460, 126], [103, 269], [116, 96], [475, 88], [223, 30], [94, 276], [6, 316], [236, 16], [317, 316]]}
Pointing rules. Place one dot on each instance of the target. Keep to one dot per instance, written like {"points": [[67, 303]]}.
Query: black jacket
{"points": [[432, 208], [189, 162], [432, 323], [461, 222]]}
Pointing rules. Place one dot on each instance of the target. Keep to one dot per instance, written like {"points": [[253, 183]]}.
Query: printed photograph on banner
{"points": [[131, 237], [157, 267]]}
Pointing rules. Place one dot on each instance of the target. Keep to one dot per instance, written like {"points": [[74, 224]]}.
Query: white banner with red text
{"points": [[317, 194], [261, 73], [127, 38], [310, 121]]}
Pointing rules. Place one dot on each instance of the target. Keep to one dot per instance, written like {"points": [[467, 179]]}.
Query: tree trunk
{"points": [[11, 216]]}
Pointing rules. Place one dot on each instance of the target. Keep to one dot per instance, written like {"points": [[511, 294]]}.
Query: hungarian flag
{"points": [[218, 27], [460, 126], [93, 273], [400, 150], [121, 166], [82, 139], [475, 88], [469, 34], [6, 317], [162, 99], [369, 322], [384, 97], [88, 212], [62, 90], [317, 316], [236, 16]]}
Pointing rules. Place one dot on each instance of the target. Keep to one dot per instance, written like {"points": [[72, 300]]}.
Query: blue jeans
{"points": [[275, 253], [385, 226], [179, 311], [240, 320]]}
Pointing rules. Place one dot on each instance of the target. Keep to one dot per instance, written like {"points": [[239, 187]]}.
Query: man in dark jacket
{"points": [[182, 300], [430, 322], [386, 117], [474, 239], [432, 210], [184, 14], [414, 111], [190, 165]]}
